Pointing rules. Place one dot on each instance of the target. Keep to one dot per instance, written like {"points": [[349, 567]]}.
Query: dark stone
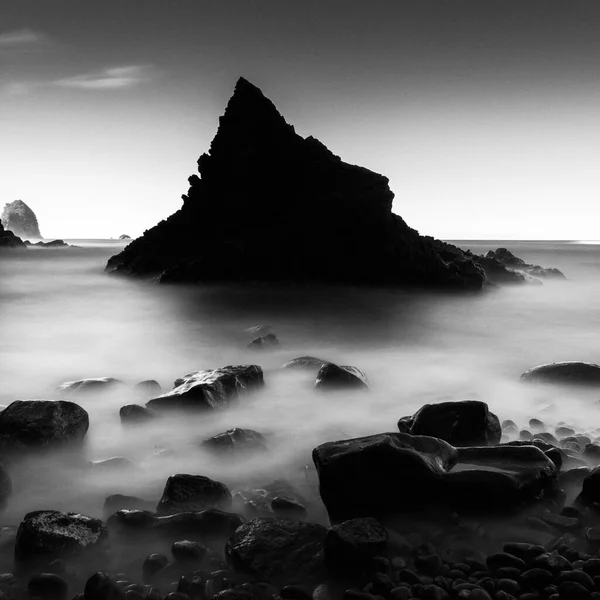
{"points": [[236, 439], [370, 476], [580, 577], [92, 385], [20, 219], [35, 424], [265, 341], [134, 414], [192, 493], [47, 586], [571, 590], [592, 453], [506, 258], [9, 240], [569, 372], [537, 578], [334, 377], [288, 508], [153, 564], [352, 545], [467, 423], [335, 225], [188, 552], [552, 561], [504, 559], [45, 535], [305, 362], [101, 587], [116, 502], [590, 491], [563, 432], [210, 390], [278, 551]]}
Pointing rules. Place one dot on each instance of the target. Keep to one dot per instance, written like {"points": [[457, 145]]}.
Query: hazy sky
{"points": [[484, 114]]}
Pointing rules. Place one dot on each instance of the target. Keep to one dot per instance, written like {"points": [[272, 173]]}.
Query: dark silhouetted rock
{"points": [[9, 240], [47, 586], [210, 390], [265, 341], [383, 474], [188, 552], [46, 535], [467, 423], [565, 373], [124, 237], [294, 212], [508, 259], [42, 423], [101, 587], [334, 377], [278, 551], [20, 219], [237, 439], [192, 493], [288, 508], [5, 487], [133, 414], [305, 362], [92, 385], [116, 502]]}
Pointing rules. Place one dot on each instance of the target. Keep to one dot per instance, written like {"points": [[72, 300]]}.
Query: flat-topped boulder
{"points": [[564, 373], [21, 220], [211, 389], [384, 474], [276, 207]]}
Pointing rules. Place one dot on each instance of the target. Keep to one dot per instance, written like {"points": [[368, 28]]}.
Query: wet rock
{"points": [[499, 560], [351, 545], [552, 561], [369, 476], [591, 453], [590, 490], [188, 552], [305, 362], [36, 424], [566, 373], [47, 535], [101, 587], [92, 385], [288, 508], [467, 423], [278, 551], [571, 590], [116, 502], [152, 565], [236, 439], [210, 390], [265, 341], [47, 586], [134, 414], [192, 493], [537, 578], [334, 377]]}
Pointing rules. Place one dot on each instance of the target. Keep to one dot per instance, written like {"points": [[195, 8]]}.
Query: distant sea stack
{"points": [[21, 220], [272, 206]]}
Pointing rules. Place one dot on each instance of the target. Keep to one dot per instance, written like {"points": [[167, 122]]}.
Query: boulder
{"points": [[148, 387], [334, 377], [20, 219], [305, 362], [42, 423], [384, 474], [9, 240], [5, 487], [278, 551], [192, 493], [210, 390], [565, 373], [466, 423], [265, 341], [46, 535], [116, 502], [47, 586], [133, 414], [288, 508], [89, 385], [335, 226], [236, 439]]}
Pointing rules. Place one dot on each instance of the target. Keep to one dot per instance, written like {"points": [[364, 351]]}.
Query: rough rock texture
{"points": [[236, 439], [273, 206], [192, 493], [382, 474], [210, 390], [466, 423], [278, 551], [20, 219], [508, 259], [334, 377], [568, 372], [42, 423], [45, 535], [9, 240]]}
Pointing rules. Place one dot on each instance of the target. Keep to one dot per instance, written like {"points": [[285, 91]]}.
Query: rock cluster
{"points": [[20, 219], [514, 263]]}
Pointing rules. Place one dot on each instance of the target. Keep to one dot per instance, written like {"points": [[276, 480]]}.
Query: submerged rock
{"points": [[568, 372], [133, 414], [384, 474], [265, 341], [236, 439], [294, 212], [42, 423], [192, 493], [116, 502], [466, 423], [89, 385], [278, 551], [334, 377], [20, 219], [149, 387], [305, 362], [9, 240], [210, 390]]}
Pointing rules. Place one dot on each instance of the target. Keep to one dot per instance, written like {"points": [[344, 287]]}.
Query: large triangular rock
{"points": [[21, 220], [270, 205]]}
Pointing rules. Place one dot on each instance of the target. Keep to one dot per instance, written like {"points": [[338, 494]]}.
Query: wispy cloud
{"points": [[108, 79], [20, 38]]}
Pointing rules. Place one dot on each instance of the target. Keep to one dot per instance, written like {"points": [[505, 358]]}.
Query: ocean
{"points": [[62, 318]]}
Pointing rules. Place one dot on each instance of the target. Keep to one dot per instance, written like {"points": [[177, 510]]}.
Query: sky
{"points": [[484, 114]]}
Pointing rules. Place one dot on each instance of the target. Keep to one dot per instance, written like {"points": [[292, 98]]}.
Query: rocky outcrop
{"points": [[52, 244], [385, 474], [192, 493], [9, 240], [514, 263], [564, 373], [270, 205], [21, 220]]}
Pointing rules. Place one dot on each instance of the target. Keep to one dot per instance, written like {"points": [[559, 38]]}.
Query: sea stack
{"points": [[270, 205], [21, 220]]}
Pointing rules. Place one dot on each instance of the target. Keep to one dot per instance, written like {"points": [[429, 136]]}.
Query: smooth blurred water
{"points": [[62, 318]]}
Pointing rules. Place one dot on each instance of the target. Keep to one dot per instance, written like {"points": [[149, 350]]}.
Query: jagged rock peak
{"points": [[20, 219]]}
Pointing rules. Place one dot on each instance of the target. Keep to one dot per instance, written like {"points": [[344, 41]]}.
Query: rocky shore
{"points": [[449, 503]]}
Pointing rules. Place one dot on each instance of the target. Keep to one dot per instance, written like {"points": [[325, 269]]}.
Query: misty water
{"points": [[62, 318]]}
